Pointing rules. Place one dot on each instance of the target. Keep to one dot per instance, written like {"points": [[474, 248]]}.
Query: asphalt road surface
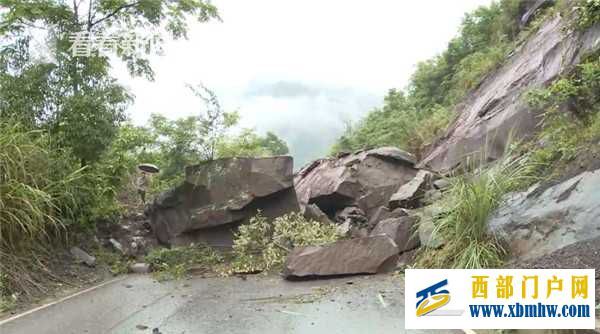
{"points": [[257, 304]]}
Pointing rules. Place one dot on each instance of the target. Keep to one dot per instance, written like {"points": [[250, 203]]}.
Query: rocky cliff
{"points": [[495, 111]]}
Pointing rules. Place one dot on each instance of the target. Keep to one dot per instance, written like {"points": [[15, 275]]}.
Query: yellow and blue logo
{"points": [[432, 298]]}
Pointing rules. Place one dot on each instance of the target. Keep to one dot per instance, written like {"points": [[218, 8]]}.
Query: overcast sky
{"points": [[300, 69]]}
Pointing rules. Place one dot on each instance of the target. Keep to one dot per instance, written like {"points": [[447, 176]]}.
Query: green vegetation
{"points": [[413, 118], [117, 264], [468, 204], [7, 302], [570, 123], [175, 263], [588, 13], [67, 150], [570, 114], [262, 245]]}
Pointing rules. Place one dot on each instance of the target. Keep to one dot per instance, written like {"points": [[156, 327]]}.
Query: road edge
{"points": [[50, 304]]}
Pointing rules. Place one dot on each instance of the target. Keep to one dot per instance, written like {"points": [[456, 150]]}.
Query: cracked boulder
{"points": [[368, 255], [544, 219], [217, 196], [403, 230], [365, 179]]}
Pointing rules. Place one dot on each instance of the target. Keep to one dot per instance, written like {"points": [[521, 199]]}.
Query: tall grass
{"points": [[471, 200], [39, 189]]}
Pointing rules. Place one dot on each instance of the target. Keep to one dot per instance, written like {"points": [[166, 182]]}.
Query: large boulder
{"points": [[496, 112], [541, 220], [368, 255], [365, 179], [216, 196]]}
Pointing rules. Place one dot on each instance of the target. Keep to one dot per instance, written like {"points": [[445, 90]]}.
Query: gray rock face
{"points": [[534, 6], [580, 255], [535, 223], [367, 255], [218, 195], [365, 179], [402, 230], [409, 194], [495, 108], [426, 227]]}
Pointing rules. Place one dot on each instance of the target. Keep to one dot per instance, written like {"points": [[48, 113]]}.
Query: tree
{"points": [[214, 121], [73, 96], [249, 144]]}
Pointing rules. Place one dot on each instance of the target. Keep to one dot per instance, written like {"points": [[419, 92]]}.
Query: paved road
{"points": [[257, 304]]}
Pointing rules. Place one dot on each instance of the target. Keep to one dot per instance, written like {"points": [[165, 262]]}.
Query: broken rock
{"points": [[351, 214], [312, 212], [367, 255], [218, 195], [83, 257], [426, 228], [409, 193], [382, 213], [365, 179], [139, 268], [402, 230]]}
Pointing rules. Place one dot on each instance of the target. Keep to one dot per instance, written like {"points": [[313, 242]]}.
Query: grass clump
{"points": [[468, 204], [262, 245], [174, 263]]}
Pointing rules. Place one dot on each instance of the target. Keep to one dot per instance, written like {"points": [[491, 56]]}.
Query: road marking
{"points": [[39, 308]]}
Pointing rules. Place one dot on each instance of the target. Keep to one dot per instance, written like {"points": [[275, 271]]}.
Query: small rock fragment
{"points": [[139, 268], [117, 245], [83, 257]]}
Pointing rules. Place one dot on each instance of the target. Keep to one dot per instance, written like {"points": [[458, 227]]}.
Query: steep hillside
{"points": [[496, 111], [471, 98]]}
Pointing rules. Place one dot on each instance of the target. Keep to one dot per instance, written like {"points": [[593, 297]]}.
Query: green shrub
{"points": [[570, 113], [398, 124], [262, 245], [174, 263], [588, 14]]}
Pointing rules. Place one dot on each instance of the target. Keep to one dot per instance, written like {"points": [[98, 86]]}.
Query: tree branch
{"points": [[115, 12]]}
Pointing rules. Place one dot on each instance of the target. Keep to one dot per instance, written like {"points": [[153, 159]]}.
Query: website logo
{"points": [[500, 298], [432, 298]]}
